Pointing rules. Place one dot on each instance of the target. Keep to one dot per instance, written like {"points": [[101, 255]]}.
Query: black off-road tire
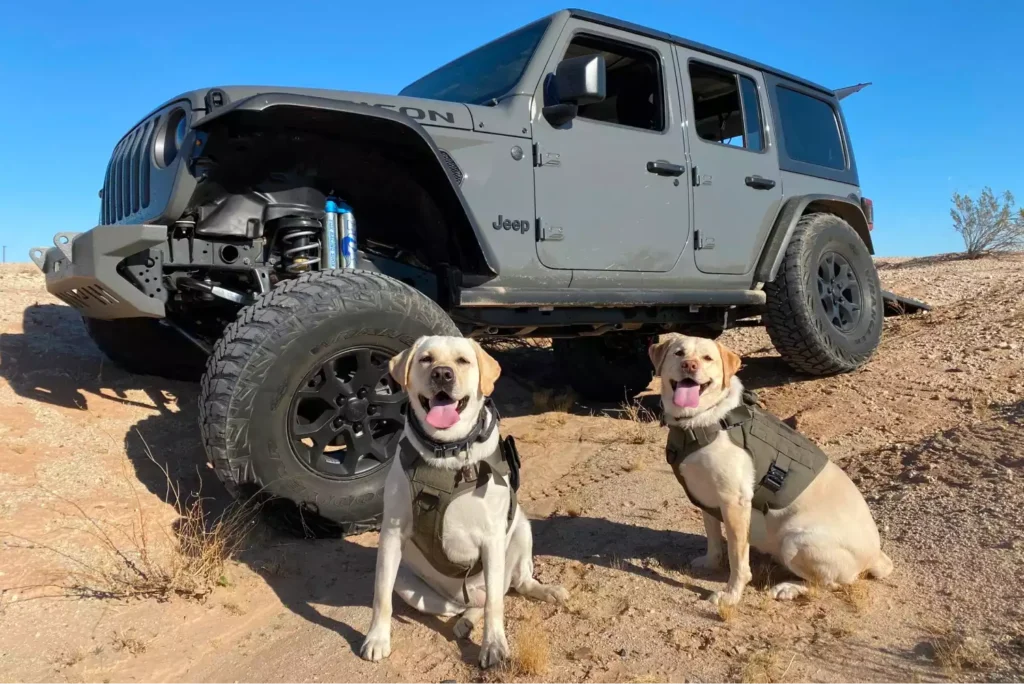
{"points": [[810, 338], [251, 390], [607, 368], [145, 346]]}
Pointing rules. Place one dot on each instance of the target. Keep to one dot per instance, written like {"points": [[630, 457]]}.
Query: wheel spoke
{"points": [[367, 374], [327, 387], [320, 430], [389, 406]]}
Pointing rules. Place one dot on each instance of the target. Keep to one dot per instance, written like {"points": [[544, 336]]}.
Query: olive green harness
{"points": [[434, 489], [785, 462]]}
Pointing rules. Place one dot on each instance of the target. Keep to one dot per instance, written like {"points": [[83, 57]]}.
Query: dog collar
{"points": [[481, 432]]}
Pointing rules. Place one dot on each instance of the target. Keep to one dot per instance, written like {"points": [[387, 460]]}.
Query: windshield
{"points": [[485, 74]]}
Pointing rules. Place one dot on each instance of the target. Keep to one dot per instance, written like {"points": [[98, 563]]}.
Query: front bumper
{"points": [[82, 270]]}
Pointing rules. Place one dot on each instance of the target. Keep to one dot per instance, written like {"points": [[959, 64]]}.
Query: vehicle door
{"points": [[610, 184], [737, 184]]}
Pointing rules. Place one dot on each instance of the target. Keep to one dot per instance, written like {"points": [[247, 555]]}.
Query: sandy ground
{"points": [[931, 431]]}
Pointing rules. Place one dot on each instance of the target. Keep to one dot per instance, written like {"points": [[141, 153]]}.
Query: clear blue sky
{"points": [[945, 111]]}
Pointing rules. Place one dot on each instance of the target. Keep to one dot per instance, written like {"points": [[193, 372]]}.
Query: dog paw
{"points": [[787, 591], [556, 594], [493, 651], [725, 598], [707, 562], [376, 646], [463, 628]]}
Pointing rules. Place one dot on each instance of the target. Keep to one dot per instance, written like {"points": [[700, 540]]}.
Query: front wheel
{"points": [[297, 404], [825, 307]]}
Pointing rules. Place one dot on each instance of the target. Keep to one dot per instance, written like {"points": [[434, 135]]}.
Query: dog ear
{"points": [[730, 364], [400, 364], [658, 350], [489, 369]]}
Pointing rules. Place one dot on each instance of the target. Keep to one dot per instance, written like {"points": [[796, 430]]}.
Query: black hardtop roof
{"points": [[692, 45]]}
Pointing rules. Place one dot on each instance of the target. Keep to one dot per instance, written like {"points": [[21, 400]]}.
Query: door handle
{"points": [[664, 168], [759, 183]]}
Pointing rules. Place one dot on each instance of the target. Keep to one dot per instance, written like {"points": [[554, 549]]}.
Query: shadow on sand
{"points": [[53, 361]]}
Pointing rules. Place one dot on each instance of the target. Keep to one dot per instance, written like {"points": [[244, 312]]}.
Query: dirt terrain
{"points": [[931, 430]]}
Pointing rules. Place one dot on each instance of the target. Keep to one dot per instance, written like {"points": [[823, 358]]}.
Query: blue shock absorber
{"points": [[330, 238], [349, 255]]}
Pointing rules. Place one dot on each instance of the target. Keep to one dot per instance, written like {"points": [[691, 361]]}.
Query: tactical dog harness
{"points": [[785, 461], [434, 489]]}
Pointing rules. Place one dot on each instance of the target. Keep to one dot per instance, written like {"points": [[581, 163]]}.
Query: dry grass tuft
{"points": [[573, 508], [563, 402], [857, 596], [650, 677], [189, 562], [546, 400], [233, 608], [956, 651], [765, 667], [542, 400], [531, 652], [68, 659], [726, 612], [643, 427], [127, 641]]}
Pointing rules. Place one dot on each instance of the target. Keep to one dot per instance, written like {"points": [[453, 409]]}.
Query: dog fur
{"points": [[826, 536], [474, 526]]}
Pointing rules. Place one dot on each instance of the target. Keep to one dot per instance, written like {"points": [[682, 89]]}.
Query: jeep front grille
{"points": [[452, 167], [138, 185], [126, 186]]}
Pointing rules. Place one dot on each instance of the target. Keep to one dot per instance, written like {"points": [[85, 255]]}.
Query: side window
{"points": [[726, 107], [635, 90], [810, 129]]}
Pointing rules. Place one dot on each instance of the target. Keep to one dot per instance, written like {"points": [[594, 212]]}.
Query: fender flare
{"points": [[793, 209], [326, 113]]}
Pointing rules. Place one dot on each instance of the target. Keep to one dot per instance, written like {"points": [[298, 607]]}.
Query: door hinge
{"points": [[701, 242], [694, 178], [542, 158], [549, 233]]}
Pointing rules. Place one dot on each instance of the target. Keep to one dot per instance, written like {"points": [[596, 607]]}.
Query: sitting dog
{"points": [[769, 485], [452, 540]]}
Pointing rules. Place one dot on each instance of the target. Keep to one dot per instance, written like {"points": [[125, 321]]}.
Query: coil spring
{"points": [[299, 239]]}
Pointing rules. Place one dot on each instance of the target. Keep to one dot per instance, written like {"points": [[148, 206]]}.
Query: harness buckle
{"points": [[774, 478]]}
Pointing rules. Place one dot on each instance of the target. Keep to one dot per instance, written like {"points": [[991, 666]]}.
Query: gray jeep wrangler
{"points": [[580, 179]]}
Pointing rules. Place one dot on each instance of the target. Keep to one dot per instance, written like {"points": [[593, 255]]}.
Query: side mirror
{"points": [[577, 81]]}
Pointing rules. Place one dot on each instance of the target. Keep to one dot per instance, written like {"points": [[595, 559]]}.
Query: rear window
{"points": [[810, 129]]}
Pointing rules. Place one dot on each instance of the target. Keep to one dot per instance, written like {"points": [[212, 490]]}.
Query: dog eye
{"points": [[708, 358], [462, 361], [426, 358], [679, 352]]}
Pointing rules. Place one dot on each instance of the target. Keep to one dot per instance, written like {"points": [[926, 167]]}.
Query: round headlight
{"points": [[170, 138]]}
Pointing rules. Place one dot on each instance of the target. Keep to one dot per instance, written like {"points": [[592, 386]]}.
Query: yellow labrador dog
{"points": [[452, 541], [770, 486]]}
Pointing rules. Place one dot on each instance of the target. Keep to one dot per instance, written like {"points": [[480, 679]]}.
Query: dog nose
{"points": [[442, 374], [690, 365]]}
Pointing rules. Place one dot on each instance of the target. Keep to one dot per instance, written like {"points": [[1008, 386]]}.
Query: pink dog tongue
{"points": [[443, 413], [686, 396]]}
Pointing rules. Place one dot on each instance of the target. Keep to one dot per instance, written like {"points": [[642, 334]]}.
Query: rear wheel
{"points": [[612, 367], [297, 403], [145, 346], [825, 307]]}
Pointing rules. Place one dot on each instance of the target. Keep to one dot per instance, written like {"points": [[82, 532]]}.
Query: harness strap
{"points": [[784, 461], [434, 489]]}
